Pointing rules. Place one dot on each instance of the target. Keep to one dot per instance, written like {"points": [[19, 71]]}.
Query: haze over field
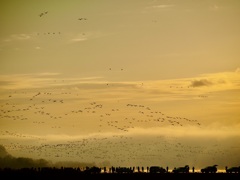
{"points": [[121, 83]]}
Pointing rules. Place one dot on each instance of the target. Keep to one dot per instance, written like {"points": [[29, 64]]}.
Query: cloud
{"points": [[20, 81], [161, 6], [91, 78], [15, 39], [46, 74], [21, 36], [188, 131], [79, 39], [201, 82], [5, 83], [158, 7], [221, 132], [18, 37], [237, 70], [158, 90], [83, 37], [87, 36], [47, 79], [214, 7], [222, 81]]}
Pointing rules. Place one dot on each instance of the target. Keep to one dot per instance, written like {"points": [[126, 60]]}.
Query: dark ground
{"points": [[163, 176]]}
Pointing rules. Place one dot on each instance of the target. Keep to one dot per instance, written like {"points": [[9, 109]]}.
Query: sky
{"points": [[121, 83]]}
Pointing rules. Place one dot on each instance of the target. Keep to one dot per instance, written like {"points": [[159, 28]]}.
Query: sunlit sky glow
{"points": [[122, 83]]}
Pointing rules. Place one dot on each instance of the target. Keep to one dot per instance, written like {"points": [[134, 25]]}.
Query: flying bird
{"points": [[43, 13], [80, 19]]}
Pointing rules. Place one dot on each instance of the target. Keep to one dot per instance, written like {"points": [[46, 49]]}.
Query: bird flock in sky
{"points": [[54, 33], [62, 109], [41, 109], [39, 105]]}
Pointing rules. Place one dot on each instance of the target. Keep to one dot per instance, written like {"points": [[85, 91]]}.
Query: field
{"points": [[78, 175]]}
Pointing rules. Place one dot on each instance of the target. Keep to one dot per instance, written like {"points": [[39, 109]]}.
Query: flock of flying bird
{"points": [[54, 33], [40, 108], [132, 115], [117, 150]]}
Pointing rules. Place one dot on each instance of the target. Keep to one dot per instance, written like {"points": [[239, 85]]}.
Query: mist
{"points": [[9, 161]]}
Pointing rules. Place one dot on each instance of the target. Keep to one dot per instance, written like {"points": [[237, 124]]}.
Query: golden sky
{"points": [[130, 82]]}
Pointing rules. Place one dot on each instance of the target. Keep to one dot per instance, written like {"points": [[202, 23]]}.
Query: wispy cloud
{"points": [[161, 6], [175, 88], [219, 81], [80, 37], [188, 131], [237, 70], [201, 82], [168, 131], [157, 7], [37, 48], [45, 74], [18, 37], [214, 7], [20, 81], [84, 37], [21, 36]]}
